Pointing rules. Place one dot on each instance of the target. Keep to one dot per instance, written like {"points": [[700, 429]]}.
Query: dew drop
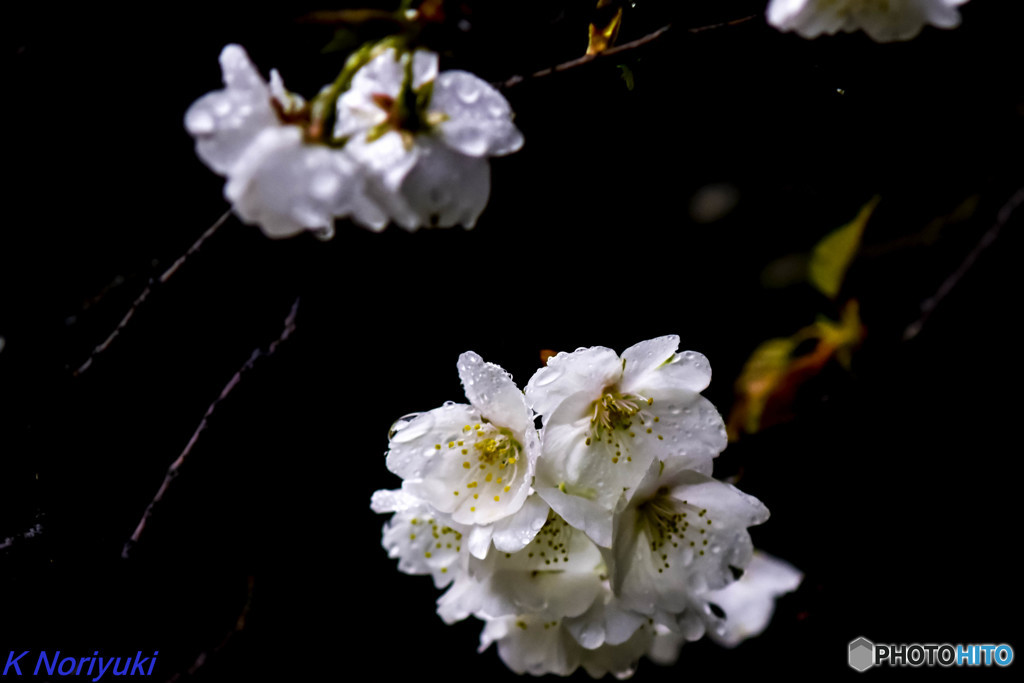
{"points": [[467, 90], [548, 376], [410, 427], [471, 141], [200, 122], [591, 637], [325, 185]]}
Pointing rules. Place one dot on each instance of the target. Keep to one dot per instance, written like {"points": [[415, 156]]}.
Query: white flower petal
{"points": [[445, 188], [285, 185], [652, 368], [580, 470], [665, 646], [608, 418], [480, 540], [387, 158], [491, 390], [681, 535], [515, 532], [225, 122], [475, 465], [424, 68], [426, 543], [749, 602], [584, 370], [604, 623], [619, 660], [393, 501], [559, 573], [532, 644], [478, 119]]}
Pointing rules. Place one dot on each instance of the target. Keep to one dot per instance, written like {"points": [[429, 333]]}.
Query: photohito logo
{"points": [[863, 654]]}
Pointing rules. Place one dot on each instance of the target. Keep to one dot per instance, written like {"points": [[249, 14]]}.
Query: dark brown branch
{"points": [[238, 627], [618, 49], [986, 241], [351, 17], [141, 298], [173, 470]]}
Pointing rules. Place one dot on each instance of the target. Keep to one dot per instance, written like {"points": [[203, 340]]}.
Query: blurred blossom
{"points": [[883, 20], [713, 202]]}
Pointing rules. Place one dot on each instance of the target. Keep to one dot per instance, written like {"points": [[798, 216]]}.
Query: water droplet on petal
{"points": [[200, 122], [325, 185], [468, 90], [410, 427], [548, 376]]}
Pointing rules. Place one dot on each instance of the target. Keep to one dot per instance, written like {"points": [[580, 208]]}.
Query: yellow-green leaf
{"points": [[832, 256], [602, 37]]}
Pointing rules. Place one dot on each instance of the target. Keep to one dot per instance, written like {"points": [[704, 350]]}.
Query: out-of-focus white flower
{"points": [[748, 603], [285, 186], [883, 20], [225, 122], [276, 179], [607, 418], [474, 462], [425, 137]]}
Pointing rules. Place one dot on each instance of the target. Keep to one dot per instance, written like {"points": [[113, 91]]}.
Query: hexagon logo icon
{"points": [[862, 654]]}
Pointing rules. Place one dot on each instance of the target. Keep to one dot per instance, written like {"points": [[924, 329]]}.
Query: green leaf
{"points": [[832, 256], [627, 76]]}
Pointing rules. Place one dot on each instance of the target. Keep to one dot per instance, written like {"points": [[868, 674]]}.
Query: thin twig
{"points": [[172, 471], [238, 627], [625, 47], [986, 241], [141, 298]]}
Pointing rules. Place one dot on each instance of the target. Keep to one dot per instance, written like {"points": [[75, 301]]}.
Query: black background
{"points": [[895, 490]]}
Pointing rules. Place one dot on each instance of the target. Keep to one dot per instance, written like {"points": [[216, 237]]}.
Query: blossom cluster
{"points": [[393, 140], [883, 20], [594, 539]]}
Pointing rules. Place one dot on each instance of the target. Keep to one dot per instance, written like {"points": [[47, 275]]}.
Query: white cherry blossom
{"points": [[643, 561], [474, 462], [559, 573], [424, 541], [607, 418], [883, 20], [425, 137], [276, 179], [683, 534]]}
